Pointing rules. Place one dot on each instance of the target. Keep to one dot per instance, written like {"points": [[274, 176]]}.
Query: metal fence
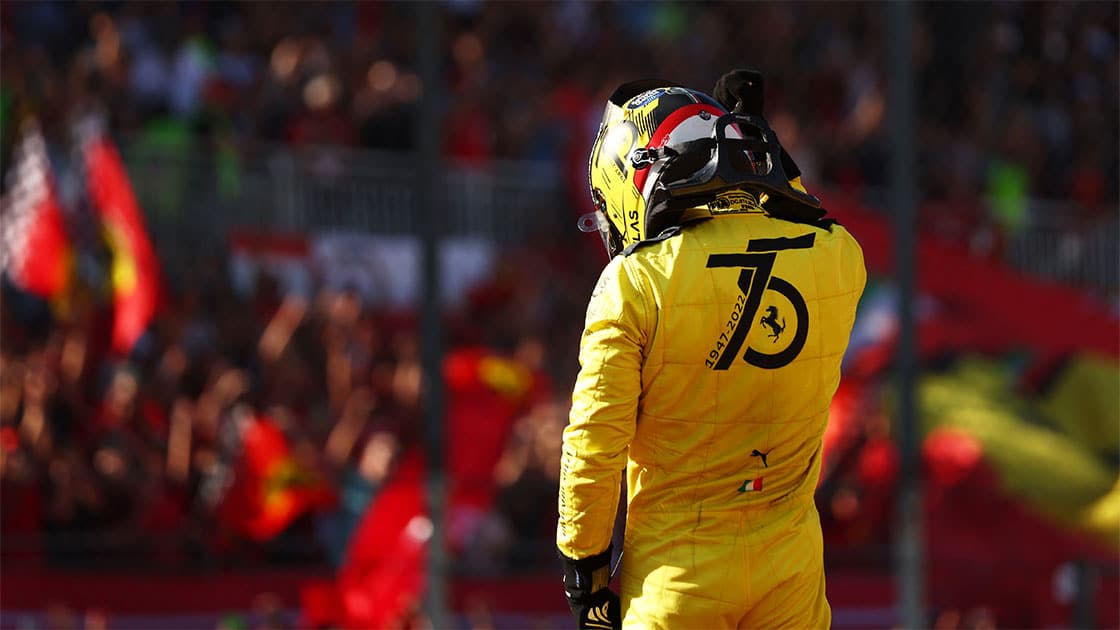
{"points": [[193, 199], [1058, 241], [1059, 247]]}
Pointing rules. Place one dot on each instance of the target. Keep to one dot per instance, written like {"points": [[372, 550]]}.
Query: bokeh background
{"points": [[211, 392]]}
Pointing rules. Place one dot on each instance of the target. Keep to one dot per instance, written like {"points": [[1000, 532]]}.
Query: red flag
{"points": [[135, 270], [36, 251], [270, 489], [486, 393], [383, 577]]}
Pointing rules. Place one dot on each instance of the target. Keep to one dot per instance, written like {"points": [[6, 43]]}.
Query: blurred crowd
{"points": [[131, 462], [1015, 100], [124, 461]]}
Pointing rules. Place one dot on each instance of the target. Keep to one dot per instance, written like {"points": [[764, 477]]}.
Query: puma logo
{"points": [[760, 454], [599, 617]]}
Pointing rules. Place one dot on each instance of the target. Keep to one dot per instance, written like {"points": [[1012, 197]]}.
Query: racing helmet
{"points": [[667, 155]]}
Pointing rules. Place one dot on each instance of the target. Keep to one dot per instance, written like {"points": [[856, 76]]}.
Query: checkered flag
{"points": [[36, 250]]}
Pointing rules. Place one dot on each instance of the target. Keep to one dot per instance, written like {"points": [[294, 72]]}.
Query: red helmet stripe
{"points": [[667, 126]]}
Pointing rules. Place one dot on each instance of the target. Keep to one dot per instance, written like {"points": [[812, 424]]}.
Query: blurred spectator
{"points": [[115, 462], [1026, 92], [136, 460]]}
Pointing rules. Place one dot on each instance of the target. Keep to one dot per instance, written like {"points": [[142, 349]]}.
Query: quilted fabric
{"points": [[708, 362]]}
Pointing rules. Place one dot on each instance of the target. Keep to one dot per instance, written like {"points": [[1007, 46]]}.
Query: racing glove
{"points": [[742, 91], [593, 605]]}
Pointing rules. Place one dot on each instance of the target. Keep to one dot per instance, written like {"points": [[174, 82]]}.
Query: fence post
{"points": [[909, 542], [428, 183], [1085, 581]]}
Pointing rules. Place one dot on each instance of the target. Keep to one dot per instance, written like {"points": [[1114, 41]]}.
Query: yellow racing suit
{"points": [[709, 359]]}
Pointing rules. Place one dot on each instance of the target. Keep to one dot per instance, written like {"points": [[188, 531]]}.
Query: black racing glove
{"points": [[593, 605], [742, 91]]}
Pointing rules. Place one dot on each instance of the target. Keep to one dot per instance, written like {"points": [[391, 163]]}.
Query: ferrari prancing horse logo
{"points": [[771, 320]]}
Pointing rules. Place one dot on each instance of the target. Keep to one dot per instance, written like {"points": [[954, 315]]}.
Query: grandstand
{"points": [[272, 268]]}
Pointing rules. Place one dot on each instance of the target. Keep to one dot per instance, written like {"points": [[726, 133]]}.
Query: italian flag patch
{"points": [[751, 485]]}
